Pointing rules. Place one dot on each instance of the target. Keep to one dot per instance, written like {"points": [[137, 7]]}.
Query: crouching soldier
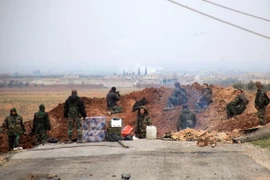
{"points": [[187, 119], [205, 99], [178, 97], [15, 127], [112, 97], [238, 105], [41, 124]]}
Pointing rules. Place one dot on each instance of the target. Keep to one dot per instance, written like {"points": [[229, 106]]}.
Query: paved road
{"points": [[145, 159]]}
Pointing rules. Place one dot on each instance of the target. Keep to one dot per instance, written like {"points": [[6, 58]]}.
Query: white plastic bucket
{"points": [[151, 132]]}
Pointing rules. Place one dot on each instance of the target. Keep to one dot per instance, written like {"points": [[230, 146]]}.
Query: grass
{"points": [[27, 100], [264, 143]]}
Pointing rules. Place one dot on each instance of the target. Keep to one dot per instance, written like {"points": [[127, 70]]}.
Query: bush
{"points": [[239, 86]]}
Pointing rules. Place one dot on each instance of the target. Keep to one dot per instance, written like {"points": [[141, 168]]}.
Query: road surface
{"points": [[144, 159]]}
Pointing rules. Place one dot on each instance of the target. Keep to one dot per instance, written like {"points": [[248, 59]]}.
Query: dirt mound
{"points": [[214, 116]]}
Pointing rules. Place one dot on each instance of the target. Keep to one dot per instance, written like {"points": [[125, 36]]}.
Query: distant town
{"points": [[141, 78]]}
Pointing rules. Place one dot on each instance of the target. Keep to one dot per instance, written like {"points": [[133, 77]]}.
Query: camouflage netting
{"points": [[214, 117]]}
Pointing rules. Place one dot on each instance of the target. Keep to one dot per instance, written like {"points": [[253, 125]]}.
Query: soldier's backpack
{"points": [[52, 140], [266, 99], [73, 109], [113, 137]]}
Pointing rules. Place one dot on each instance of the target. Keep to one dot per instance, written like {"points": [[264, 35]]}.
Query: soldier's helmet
{"points": [[42, 107], [113, 89], [240, 90], [205, 84], [74, 91], [258, 84], [13, 110], [185, 106], [177, 84]]}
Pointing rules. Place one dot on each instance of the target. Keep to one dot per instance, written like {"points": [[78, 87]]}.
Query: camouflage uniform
{"points": [[260, 104], [112, 97], [178, 97], [15, 127], [187, 119], [41, 124], [74, 109], [142, 121], [205, 99], [237, 106]]}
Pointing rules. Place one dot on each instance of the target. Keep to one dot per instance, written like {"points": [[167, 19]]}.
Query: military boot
{"points": [[69, 139], [79, 139]]}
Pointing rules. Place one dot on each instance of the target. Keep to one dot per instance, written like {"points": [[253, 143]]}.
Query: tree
{"points": [[3, 84], [11, 83], [267, 87], [20, 84], [26, 84], [251, 85]]}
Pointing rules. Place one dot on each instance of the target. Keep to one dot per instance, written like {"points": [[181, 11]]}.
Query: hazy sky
{"points": [[82, 35]]}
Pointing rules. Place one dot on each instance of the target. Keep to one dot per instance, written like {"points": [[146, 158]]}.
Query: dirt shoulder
{"points": [[258, 154]]}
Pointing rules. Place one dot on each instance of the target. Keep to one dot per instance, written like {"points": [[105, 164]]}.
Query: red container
{"points": [[126, 131]]}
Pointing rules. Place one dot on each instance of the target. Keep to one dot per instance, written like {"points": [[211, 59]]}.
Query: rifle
{"points": [[118, 93], [32, 130]]}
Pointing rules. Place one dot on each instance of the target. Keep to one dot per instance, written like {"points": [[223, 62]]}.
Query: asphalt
{"points": [[144, 159]]}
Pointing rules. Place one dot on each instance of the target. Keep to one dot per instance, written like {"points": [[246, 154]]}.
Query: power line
{"points": [[251, 15], [202, 13]]}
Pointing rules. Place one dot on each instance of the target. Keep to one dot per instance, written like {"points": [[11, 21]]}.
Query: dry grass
{"points": [[27, 100], [263, 143]]}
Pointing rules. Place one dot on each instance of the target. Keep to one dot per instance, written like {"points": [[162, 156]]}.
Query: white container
{"points": [[116, 122], [151, 132]]}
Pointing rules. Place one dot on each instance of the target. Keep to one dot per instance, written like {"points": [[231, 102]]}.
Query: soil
{"points": [[213, 117]]}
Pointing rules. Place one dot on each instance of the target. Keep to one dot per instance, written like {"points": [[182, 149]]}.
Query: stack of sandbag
{"points": [[94, 129]]}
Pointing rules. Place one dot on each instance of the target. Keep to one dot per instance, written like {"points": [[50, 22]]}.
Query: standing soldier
{"points": [[261, 101], [74, 109], [41, 124], [187, 119], [238, 105], [205, 99], [112, 97], [178, 97], [143, 120], [15, 127]]}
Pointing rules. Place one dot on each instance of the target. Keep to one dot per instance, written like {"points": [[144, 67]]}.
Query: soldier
{"points": [[112, 97], [74, 109], [41, 124], [261, 101], [15, 127], [187, 119], [238, 105], [178, 97], [143, 120], [205, 99]]}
